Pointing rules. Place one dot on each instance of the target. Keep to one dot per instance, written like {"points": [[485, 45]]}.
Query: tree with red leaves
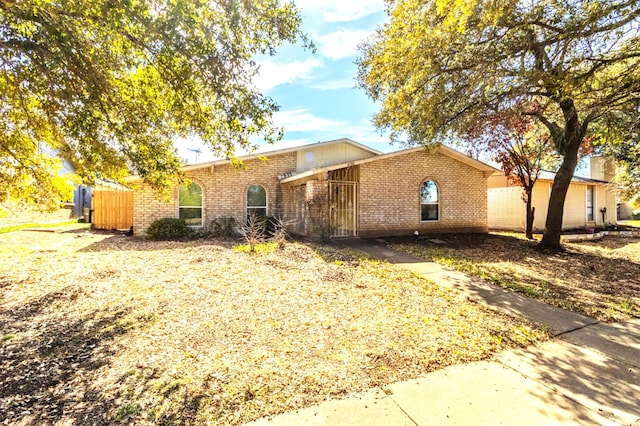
{"points": [[514, 144]]}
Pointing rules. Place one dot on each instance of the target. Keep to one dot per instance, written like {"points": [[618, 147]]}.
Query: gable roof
{"points": [[256, 155], [548, 175], [377, 155], [450, 152], [267, 154]]}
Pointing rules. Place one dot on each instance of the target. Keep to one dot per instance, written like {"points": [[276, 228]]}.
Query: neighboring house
{"points": [[587, 200], [336, 188], [82, 201], [625, 210]]}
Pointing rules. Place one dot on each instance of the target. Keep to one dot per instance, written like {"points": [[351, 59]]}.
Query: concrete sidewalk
{"points": [[589, 374]]}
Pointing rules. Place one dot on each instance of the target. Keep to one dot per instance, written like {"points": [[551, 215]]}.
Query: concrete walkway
{"points": [[589, 374]]}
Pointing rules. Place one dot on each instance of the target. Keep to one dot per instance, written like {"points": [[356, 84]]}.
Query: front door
{"points": [[343, 217]]}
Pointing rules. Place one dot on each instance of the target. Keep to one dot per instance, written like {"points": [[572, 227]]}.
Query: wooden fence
{"points": [[112, 209]]}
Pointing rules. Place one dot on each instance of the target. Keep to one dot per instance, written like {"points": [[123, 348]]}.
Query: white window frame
{"points": [[192, 207], [437, 203], [590, 189], [266, 201]]}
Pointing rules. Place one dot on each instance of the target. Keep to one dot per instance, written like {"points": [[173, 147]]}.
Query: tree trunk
{"points": [[553, 225], [530, 217], [573, 140]]}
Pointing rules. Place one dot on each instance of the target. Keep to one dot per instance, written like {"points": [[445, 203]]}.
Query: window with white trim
{"points": [[256, 201], [190, 204], [429, 201], [590, 213]]}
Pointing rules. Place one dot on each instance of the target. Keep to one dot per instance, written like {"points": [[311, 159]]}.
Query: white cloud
{"points": [[302, 120], [192, 148], [342, 43], [317, 129], [274, 74], [340, 10], [344, 83]]}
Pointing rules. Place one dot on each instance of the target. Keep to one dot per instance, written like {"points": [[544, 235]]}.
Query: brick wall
{"points": [[224, 192], [389, 198], [389, 194], [317, 207]]}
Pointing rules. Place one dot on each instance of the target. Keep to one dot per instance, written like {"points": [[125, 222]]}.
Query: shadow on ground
{"points": [[47, 361], [591, 379], [602, 284]]}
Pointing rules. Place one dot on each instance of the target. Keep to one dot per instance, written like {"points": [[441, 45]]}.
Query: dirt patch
{"points": [[100, 329], [599, 278]]}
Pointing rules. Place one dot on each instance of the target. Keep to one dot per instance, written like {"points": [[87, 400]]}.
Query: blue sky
{"points": [[316, 93]]}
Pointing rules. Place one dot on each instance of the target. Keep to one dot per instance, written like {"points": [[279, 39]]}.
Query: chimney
{"points": [[603, 168]]}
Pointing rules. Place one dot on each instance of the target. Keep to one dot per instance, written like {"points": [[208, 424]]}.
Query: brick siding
{"points": [[388, 194], [224, 192], [389, 197]]}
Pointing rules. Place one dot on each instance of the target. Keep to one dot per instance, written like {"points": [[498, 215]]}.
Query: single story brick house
{"points": [[338, 187], [587, 200]]}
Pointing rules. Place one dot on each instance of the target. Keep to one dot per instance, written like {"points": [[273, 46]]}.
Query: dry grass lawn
{"points": [[598, 278], [632, 223], [100, 329]]}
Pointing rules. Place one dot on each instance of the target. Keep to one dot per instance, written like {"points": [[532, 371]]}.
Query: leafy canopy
{"points": [[440, 67], [109, 84]]}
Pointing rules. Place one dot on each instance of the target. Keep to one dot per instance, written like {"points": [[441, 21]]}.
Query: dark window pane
{"points": [[190, 196], [256, 196], [590, 203], [192, 216], [257, 211], [429, 212]]}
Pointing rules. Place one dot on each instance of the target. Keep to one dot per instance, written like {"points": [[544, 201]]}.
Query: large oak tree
{"points": [[439, 66], [108, 84]]}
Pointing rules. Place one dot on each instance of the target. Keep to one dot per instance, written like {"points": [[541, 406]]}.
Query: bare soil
{"points": [[103, 329]]}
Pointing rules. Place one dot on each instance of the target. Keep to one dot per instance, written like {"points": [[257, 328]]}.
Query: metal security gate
{"points": [[299, 210], [343, 217]]}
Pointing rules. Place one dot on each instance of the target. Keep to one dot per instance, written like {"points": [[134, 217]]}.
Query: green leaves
{"points": [[438, 66], [108, 85]]}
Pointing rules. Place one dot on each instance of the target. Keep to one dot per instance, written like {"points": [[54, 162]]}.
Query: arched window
{"points": [[190, 204], [429, 201], [256, 201]]}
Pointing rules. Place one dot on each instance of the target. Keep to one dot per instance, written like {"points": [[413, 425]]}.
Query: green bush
{"points": [[636, 216], [168, 229]]}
